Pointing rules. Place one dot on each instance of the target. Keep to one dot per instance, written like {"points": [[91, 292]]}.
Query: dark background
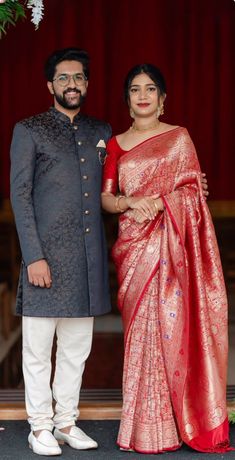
{"points": [[192, 41]]}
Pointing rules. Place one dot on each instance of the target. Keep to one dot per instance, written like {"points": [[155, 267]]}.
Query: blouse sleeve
{"points": [[110, 174]]}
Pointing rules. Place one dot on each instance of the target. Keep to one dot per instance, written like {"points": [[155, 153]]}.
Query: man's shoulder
{"points": [[34, 120], [95, 121], [100, 127]]}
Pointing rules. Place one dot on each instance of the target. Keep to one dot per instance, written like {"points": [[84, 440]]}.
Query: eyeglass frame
{"points": [[71, 76]]}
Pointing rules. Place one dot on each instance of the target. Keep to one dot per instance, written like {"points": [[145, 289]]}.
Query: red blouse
{"points": [[110, 175]]}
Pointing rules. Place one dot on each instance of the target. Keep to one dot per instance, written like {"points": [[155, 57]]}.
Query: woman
{"points": [[172, 295]]}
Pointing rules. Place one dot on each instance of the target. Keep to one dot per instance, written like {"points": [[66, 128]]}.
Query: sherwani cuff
{"points": [[30, 258]]}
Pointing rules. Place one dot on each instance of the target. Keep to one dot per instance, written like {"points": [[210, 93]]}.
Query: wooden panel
{"points": [[88, 411], [10, 256], [95, 411], [220, 209]]}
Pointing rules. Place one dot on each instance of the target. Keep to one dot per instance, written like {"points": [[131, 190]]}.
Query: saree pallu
{"points": [[173, 304]]}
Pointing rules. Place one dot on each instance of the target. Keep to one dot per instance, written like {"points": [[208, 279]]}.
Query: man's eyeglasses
{"points": [[64, 79]]}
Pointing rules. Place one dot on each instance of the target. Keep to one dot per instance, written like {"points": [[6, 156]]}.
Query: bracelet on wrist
{"points": [[117, 203]]}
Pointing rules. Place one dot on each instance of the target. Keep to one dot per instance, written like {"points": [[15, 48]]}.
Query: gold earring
{"points": [[132, 115], [160, 111]]}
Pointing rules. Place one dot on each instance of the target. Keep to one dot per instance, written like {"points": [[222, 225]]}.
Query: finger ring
{"points": [[156, 206]]}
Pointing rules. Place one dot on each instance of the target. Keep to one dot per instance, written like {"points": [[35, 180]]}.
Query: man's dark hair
{"points": [[153, 72], [66, 54]]}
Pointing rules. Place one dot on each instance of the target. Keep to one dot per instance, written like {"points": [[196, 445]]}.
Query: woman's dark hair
{"points": [[66, 54], [153, 72]]}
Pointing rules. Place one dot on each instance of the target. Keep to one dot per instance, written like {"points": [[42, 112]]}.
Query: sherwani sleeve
{"points": [[23, 159]]}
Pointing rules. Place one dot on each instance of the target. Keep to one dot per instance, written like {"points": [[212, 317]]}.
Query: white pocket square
{"points": [[101, 143]]}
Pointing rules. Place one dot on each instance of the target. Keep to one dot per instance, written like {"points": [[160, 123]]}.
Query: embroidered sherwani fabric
{"points": [[173, 302], [56, 169]]}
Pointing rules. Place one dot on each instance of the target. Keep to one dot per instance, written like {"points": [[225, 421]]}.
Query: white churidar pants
{"points": [[74, 339]]}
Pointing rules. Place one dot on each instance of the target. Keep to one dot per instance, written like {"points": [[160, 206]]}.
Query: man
{"points": [[57, 159]]}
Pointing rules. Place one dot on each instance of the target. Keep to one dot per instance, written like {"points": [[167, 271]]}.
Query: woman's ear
{"points": [[162, 98]]}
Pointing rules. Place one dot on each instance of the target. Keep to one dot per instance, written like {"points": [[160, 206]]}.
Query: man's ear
{"points": [[50, 87]]}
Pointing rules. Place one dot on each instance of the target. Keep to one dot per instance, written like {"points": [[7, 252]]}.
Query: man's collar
{"points": [[62, 116]]}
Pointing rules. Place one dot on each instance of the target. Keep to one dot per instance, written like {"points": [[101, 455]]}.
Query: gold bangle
{"points": [[117, 206]]}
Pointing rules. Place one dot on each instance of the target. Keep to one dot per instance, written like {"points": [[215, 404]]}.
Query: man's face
{"points": [[69, 85]]}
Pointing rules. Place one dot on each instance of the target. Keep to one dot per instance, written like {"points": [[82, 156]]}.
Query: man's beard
{"points": [[68, 104]]}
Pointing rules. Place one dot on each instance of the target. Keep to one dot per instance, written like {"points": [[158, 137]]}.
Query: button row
{"points": [[85, 194], [85, 177]]}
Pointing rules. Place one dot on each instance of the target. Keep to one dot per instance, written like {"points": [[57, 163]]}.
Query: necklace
{"points": [[148, 128]]}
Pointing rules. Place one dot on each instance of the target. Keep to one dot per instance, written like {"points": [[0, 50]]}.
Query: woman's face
{"points": [[143, 96]]}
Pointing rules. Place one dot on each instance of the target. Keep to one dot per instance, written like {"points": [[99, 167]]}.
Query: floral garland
{"points": [[12, 10], [37, 11]]}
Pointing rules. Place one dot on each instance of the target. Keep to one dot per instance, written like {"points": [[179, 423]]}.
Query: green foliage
{"points": [[10, 12], [231, 416]]}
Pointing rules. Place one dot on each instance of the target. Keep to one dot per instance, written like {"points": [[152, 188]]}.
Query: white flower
{"points": [[37, 11]]}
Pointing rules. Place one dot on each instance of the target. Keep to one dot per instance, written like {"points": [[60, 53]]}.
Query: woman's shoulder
{"points": [[113, 146], [112, 142], [116, 141], [168, 126], [175, 130]]}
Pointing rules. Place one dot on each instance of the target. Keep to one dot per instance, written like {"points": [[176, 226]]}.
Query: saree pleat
{"points": [[147, 423], [173, 304]]}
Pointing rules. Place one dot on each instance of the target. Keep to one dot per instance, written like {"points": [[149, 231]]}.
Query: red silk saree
{"points": [[173, 302]]}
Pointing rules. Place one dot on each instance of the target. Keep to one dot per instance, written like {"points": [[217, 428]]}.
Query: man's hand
{"points": [[39, 274], [204, 185]]}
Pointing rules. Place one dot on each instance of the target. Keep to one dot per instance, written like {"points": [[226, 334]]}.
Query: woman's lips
{"points": [[143, 104]]}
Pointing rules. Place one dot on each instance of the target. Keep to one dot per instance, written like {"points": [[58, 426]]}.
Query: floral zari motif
{"points": [[173, 303]]}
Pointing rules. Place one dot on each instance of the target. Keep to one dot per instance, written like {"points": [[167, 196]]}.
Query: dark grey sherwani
{"points": [[56, 169]]}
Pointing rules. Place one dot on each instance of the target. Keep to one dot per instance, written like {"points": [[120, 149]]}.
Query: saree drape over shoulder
{"points": [[173, 302]]}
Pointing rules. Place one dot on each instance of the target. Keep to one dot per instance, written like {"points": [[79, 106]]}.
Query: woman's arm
{"points": [[147, 206]]}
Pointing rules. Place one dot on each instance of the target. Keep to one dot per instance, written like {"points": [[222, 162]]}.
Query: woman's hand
{"points": [[138, 216], [145, 205]]}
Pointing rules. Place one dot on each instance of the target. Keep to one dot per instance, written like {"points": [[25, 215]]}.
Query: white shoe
{"points": [[76, 438], [44, 444]]}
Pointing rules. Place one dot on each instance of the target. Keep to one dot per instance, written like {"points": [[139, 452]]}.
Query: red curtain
{"points": [[192, 41]]}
